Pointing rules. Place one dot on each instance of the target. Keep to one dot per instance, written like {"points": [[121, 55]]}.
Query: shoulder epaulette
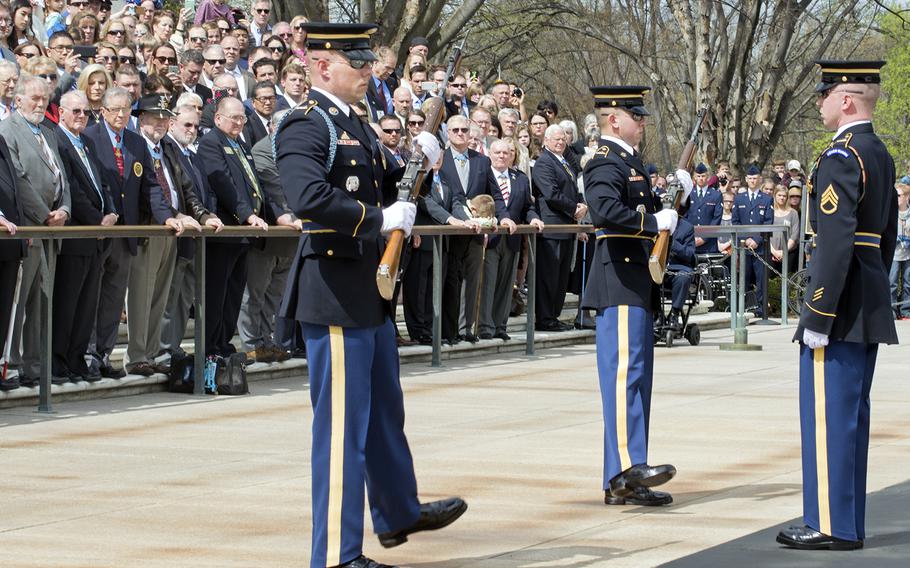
{"points": [[308, 106], [602, 151]]}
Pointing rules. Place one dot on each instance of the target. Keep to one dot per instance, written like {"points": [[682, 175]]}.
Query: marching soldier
{"points": [[627, 216], [338, 182], [853, 215]]}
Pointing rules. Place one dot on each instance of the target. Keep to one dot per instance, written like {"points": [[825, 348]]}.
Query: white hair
{"points": [[188, 99], [507, 112], [571, 130], [553, 129]]}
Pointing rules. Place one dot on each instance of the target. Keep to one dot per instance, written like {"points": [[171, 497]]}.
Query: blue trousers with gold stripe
{"points": [[834, 386], [625, 364], [358, 439]]}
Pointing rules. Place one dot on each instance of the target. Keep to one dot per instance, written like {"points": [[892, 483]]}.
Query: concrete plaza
{"points": [[162, 480]]}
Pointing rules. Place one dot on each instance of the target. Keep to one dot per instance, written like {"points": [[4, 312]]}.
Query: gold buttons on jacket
{"points": [[353, 162], [626, 259], [330, 252]]}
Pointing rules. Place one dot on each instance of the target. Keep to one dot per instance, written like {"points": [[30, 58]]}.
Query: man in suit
{"points": [[212, 65], [191, 64], [390, 135], [11, 251], [263, 106], [628, 216], [227, 163], [467, 171], [245, 82], [754, 207], [501, 261], [44, 195], [152, 267], [267, 268], [705, 208], [294, 86], [853, 213], [381, 88], [440, 205], [126, 168], [358, 439], [559, 202], [128, 77], [78, 277]]}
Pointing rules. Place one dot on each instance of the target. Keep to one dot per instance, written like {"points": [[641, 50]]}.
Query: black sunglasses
{"points": [[116, 32], [277, 48], [126, 59], [415, 122], [263, 10], [392, 130], [165, 59], [48, 76], [214, 61]]}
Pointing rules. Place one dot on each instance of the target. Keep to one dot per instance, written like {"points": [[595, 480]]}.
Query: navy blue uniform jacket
{"points": [[759, 211], [706, 211], [853, 215], [333, 277], [622, 207]]}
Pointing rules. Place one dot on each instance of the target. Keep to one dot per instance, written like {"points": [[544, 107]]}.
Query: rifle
{"points": [[657, 263], [414, 174]]}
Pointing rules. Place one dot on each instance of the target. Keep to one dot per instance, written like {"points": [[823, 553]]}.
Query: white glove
{"points": [[685, 180], [429, 145], [399, 215], [814, 340], [666, 220]]}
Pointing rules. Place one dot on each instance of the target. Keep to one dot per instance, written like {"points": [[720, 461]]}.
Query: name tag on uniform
{"points": [[348, 142], [228, 150], [636, 178], [742, 206], [710, 203]]}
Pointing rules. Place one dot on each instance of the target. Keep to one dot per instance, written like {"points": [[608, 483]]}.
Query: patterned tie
{"points": [[162, 179], [565, 166], [49, 156], [257, 194], [118, 154], [504, 187], [463, 173]]}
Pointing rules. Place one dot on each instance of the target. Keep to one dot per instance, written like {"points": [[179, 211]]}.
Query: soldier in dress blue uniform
{"points": [[626, 215], [754, 207], [847, 312], [338, 182], [705, 208]]}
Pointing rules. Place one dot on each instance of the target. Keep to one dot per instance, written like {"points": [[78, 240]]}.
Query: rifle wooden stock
{"points": [[657, 263], [435, 110]]}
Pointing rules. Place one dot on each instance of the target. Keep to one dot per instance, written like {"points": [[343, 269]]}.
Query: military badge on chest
{"points": [[352, 184]]}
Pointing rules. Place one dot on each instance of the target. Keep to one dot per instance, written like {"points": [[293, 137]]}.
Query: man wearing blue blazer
{"points": [[753, 207]]}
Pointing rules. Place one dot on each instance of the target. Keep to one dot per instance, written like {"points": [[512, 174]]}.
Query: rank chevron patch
{"points": [[829, 200]]}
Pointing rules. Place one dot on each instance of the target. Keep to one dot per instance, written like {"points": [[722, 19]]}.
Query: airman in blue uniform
{"points": [[754, 207], [705, 208], [627, 218], [847, 311], [339, 183]]}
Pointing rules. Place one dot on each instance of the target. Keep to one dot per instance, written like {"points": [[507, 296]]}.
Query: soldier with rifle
{"points": [[338, 182], [628, 219]]}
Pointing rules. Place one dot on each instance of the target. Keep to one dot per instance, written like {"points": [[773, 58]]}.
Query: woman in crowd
{"points": [[190, 99], [26, 51], [474, 93], [298, 39], [107, 56], [278, 50], [114, 32], [85, 28], [45, 68], [21, 13], [416, 124], [213, 33], [725, 242], [126, 55], [489, 102], [163, 29], [784, 243], [159, 85], [94, 80], [209, 10]]}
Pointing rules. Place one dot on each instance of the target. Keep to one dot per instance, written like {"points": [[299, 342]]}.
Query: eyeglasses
{"points": [[118, 110], [266, 99], [216, 61], [127, 59], [224, 30], [79, 3], [392, 130], [193, 125], [63, 47], [459, 130], [116, 32], [198, 38], [237, 118], [286, 34], [76, 111], [415, 122], [108, 58], [263, 10], [48, 76], [166, 59]]}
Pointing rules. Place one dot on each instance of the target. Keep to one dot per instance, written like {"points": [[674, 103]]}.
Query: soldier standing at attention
{"points": [[338, 182], [626, 214], [853, 215]]}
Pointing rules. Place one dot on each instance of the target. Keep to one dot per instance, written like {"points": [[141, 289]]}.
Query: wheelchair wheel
{"points": [[693, 334], [797, 282], [704, 291], [668, 339]]}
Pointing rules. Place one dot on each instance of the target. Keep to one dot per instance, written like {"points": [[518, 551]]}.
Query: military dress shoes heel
{"points": [[364, 562], [641, 496], [433, 516], [805, 538], [642, 475]]}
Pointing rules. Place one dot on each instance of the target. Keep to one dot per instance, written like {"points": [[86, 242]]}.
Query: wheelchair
{"points": [[664, 332], [713, 279]]}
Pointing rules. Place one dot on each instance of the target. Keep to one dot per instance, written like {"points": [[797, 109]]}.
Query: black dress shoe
{"points": [[28, 381], [470, 338], [161, 368], [111, 373], [364, 562], [642, 475], [587, 325], [9, 384], [486, 336], [425, 340], [435, 515], [805, 538], [60, 380], [564, 326], [641, 496], [503, 335], [550, 326]]}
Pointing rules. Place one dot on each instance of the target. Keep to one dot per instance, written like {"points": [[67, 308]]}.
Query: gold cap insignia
{"points": [[828, 203]]}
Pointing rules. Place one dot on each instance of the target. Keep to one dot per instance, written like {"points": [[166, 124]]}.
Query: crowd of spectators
{"points": [[144, 116]]}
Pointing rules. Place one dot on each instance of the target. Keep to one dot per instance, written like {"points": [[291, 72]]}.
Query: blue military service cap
{"points": [[753, 170], [651, 169], [842, 72], [630, 98], [701, 168], [351, 39]]}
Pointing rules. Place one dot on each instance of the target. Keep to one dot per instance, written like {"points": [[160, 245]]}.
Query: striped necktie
{"points": [[504, 187]]}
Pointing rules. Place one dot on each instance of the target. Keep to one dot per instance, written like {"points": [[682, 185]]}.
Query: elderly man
{"points": [[231, 47], [224, 85], [78, 277], [501, 260], [227, 163], [260, 27], [557, 197], [213, 64], [381, 86], [127, 169], [401, 101], [9, 75], [44, 195]]}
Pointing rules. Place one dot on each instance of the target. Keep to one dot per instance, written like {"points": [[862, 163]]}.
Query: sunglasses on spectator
{"points": [[263, 10], [458, 85], [47, 76], [277, 48], [108, 58], [457, 130], [116, 32], [300, 27], [76, 111], [189, 124], [127, 59], [165, 59], [415, 123], [216, 61], [198, 38], [392, 130], [224, 30]]}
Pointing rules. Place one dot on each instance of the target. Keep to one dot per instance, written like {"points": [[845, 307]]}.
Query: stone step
{"points": [[134, 384]]}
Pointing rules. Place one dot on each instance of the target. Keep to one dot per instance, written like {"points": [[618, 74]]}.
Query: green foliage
{"points": [[892, 115]]}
